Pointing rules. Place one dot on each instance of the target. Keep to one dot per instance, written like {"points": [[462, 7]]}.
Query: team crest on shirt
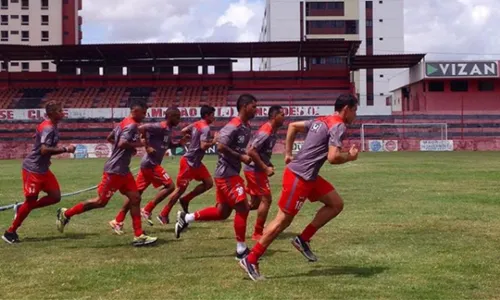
{"points": [[241, 139]]}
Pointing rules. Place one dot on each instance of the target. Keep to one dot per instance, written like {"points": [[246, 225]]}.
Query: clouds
{"points": [[431, 26], [172, 21], [447, 28]]}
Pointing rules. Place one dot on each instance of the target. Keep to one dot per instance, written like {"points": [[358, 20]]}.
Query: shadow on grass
{"points": [[67, 236], [119, 244], [269, 252], [336, 271]]}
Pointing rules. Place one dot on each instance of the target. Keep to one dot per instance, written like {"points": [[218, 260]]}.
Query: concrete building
{"points": [[378, 24], [39, 22]]}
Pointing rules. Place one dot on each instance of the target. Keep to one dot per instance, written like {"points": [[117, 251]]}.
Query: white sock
{"points": [[241, 247], [189, 218]]}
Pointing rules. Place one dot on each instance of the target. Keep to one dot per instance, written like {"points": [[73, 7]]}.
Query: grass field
{"points": [[414, 226]]}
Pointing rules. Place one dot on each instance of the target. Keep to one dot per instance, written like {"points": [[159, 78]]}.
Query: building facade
{"points": [[39, 22], [378, 24]]}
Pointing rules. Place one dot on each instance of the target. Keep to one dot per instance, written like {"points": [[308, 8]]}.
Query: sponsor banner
{"points": [[193, 112], [375, 145], [461, 69], [436, 145], [391, 145], [92, 151], [382, 145]]}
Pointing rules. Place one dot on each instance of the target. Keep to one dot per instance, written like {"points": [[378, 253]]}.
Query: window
{"points": [[45, 36], [459, 86], [436, 86], [2, 66], [369, 100], [5, 20], [5, 4], [485, 86], [5, 36], [45, 66], [45, 20], [380, 2], [381, 75], [380, 39], [45, 4], [369, 23], [14, 32], [14, 64], [25, 20], [369, 4], [25, 36], [369, 42], [25, 4], [14, 17], [25, 66], [351, 27], [14, 1]]}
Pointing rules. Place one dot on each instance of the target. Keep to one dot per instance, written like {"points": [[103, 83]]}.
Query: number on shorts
{"points": [[165, 175], [31, 188], [299, 204], [240, 190]]}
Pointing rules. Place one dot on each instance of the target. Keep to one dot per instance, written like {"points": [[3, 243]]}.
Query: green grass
{"points": [[414, 226]]}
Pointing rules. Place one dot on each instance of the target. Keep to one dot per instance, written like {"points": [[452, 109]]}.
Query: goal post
{"points": [[406, 136]]}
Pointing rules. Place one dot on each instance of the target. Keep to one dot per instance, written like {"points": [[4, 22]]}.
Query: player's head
{"points": [[276, 115], [54, 111], [347, 105], [207, 113], [138, 110], [247, 105], [173, 116]]}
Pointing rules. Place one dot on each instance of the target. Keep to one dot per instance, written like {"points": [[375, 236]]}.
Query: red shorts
{"points": [[155, 176], [34, 183], [111, 183], [257, 184], [296, 190], [230, 190], [188, 173]]}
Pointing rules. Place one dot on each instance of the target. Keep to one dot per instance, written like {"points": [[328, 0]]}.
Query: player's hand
{"points": [[185, 139], [216, 138], [150, 150], [288, 159], [353, 153], [269, 171], [71, 149], [246, 159]]}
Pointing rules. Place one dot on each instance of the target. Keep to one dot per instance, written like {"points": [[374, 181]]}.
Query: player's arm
{"points": [[111, 137], [253, 152], [127, 138], [225, 136], [293, 129], [335, 155], [47, 137], [186, 130], [205, 141]]}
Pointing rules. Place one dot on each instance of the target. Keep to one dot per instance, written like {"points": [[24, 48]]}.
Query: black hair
{"points": [[273, 111], [206, 110], [171, 110], [52, 106], [244, 100], [345, 100], [138, 103]]}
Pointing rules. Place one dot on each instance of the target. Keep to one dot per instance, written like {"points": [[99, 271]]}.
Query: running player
{"points": [[230, 187], [190, 165], [261, 168], [117, 176], [301, 180], [157, 138], [37, 176]]}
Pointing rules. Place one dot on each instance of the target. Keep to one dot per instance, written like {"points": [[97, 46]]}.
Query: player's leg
{"points": [[110, 183], [219, 212], [292, 198], [200, 174], [163, 217], [264, 204], [333, 205], [160, 179], [240, 228], [51, 187]]}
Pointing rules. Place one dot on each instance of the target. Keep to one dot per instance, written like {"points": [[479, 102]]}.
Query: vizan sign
{"points": [[462, 69]]}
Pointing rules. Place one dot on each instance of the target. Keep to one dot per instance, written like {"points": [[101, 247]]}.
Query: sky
{"points": [[445, 29]]}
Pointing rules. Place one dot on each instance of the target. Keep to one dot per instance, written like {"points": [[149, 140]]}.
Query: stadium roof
{"points": [[392, 61], [124, 52]]}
